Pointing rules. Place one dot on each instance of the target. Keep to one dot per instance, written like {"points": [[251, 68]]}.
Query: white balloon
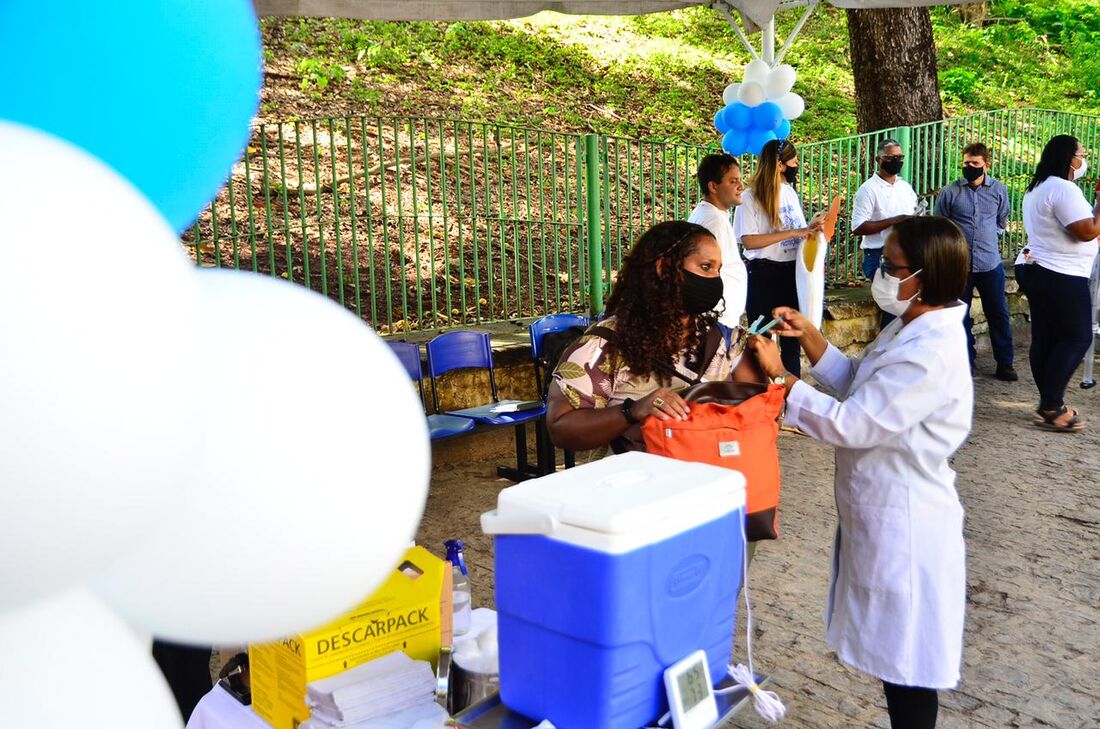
{"points": [[751, 94], [68, 661], [756, 71], [310, 484], [729, 95], [99, 349], [780, 81], [792, 106]]}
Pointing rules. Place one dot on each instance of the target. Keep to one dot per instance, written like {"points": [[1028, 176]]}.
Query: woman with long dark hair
{"points": [[661, 320], [1053, 272], [770, 224]]}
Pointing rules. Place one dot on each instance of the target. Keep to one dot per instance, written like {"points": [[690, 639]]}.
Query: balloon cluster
{"points": [[206, 456], [759, 109]]}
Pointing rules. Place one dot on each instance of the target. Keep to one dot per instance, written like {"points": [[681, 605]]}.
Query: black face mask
{"points": [[790, 174], [892, 167], [701, 293], [973, 173]]}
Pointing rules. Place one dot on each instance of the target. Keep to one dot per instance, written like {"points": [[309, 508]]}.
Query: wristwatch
{"points": [[627, 407], [781, 379]]}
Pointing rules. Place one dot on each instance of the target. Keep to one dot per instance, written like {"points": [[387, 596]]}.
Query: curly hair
{"points": [[647, 301]]}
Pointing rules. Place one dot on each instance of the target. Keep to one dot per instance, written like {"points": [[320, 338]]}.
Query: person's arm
{"points": [[862, 210], [944, 201], [580, 429], [763, 240], [1003, 208], [831, 367], [748, 227], [900, 394], [1085, 227], [870, 227]]}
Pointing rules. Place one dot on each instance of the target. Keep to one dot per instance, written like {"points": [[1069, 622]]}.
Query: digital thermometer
{"points": [[690, 693]]}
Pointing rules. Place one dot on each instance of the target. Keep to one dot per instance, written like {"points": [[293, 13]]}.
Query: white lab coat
{"points": [[897, 595]]}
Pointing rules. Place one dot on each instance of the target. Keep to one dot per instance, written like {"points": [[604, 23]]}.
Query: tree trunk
{"points": [[894, 65]]}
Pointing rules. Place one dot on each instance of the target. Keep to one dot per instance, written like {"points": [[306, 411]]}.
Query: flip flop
{"points": [[1073, 425]]}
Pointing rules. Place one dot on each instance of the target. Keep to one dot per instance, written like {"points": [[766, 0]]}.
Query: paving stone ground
{"points": [[1032, 650]]}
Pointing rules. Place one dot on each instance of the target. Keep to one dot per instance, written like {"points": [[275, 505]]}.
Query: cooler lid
{"points": [[628, 494]]}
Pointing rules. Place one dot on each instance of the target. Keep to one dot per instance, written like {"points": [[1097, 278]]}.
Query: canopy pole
{"points": [[724, 9], [767, 43], [797, 29]]}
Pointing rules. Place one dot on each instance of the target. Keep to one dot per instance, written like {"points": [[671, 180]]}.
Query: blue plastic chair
{"points": [[439, 426], [465, 349], [552, 323], [538, 330]]}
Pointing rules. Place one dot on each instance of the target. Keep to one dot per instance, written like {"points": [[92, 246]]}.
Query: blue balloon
{"points": [[758, 138], [767, 116], [735, 142], [784, 130], [163, 91], [720, 121], [738, 116]]}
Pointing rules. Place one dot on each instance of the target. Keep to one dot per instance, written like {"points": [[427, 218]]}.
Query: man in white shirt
{"points": [[882, 201], [720, 183]]}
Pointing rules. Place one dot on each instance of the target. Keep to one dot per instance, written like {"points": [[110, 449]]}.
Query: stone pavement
{"points": [[1032, 654]]}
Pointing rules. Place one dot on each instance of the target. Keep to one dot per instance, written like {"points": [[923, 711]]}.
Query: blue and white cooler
{"points": [[608, 573]]}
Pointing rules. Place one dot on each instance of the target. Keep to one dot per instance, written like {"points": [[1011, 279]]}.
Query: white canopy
{"points": [[758, 12]]}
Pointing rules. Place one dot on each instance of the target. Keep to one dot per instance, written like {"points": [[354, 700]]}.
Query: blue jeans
{"points": [[1061, 328], [991, 289], [872, 257]]}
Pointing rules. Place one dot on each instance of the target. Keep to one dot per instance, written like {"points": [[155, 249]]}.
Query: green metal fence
{"points": [[423, 224]]}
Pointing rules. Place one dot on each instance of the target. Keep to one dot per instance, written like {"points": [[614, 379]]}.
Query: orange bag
{"points": [[743, 437]]}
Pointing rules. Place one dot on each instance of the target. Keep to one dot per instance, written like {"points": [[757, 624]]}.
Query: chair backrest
{"points": [[456, 350], [552, 323], [408, 354]]}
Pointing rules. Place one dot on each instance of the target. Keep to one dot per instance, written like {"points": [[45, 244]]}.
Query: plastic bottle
{"points": [[462, 596]]}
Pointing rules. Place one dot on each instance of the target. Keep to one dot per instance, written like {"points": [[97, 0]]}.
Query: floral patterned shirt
{"points": [[592, 375]]}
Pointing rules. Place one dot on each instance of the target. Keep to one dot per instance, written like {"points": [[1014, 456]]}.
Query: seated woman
{"points": [[896, 414], [661, 333]]}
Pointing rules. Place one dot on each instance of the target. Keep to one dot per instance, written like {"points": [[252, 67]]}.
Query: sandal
{"points": [[1048, 421], [1039, 418]]}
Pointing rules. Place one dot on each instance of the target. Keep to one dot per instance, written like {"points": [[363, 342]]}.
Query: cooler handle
{"points": [[533, 522]]}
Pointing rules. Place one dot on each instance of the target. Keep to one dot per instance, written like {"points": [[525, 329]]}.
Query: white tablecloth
{"points": [[219, 710]]}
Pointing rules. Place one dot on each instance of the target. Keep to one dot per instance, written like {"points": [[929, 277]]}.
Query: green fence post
{"points": [[593, 216], [905, 138]]}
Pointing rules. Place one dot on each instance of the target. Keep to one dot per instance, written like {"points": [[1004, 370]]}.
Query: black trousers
{"points": [[911, 707], [187, 671], [1061, 328], [771, 284]]}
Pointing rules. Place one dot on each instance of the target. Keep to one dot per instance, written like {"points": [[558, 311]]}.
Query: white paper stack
{"points": [[387, 685]]}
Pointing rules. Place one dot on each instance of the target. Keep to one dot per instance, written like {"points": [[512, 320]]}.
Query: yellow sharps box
{"points": [[403, 615]]}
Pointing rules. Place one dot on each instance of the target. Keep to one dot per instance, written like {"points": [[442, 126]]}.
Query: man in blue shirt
{"points": [[978, 204]]}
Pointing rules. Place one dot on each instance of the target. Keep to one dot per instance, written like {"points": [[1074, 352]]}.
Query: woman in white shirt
{"points": [[769, 225], [1053, 271], [895, 414]]}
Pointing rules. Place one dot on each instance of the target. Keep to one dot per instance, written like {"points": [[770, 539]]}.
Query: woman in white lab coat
{"points": [[896, 415]]}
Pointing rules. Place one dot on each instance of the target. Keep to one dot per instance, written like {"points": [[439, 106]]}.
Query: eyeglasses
{"points": [[887, 267], [893, 158]]}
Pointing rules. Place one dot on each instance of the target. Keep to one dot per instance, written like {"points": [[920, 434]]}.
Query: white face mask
{"points": [[884, 290], [1080, 171]]}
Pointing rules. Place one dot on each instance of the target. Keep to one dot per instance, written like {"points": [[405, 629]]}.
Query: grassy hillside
{"points": [[661, 75]]}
